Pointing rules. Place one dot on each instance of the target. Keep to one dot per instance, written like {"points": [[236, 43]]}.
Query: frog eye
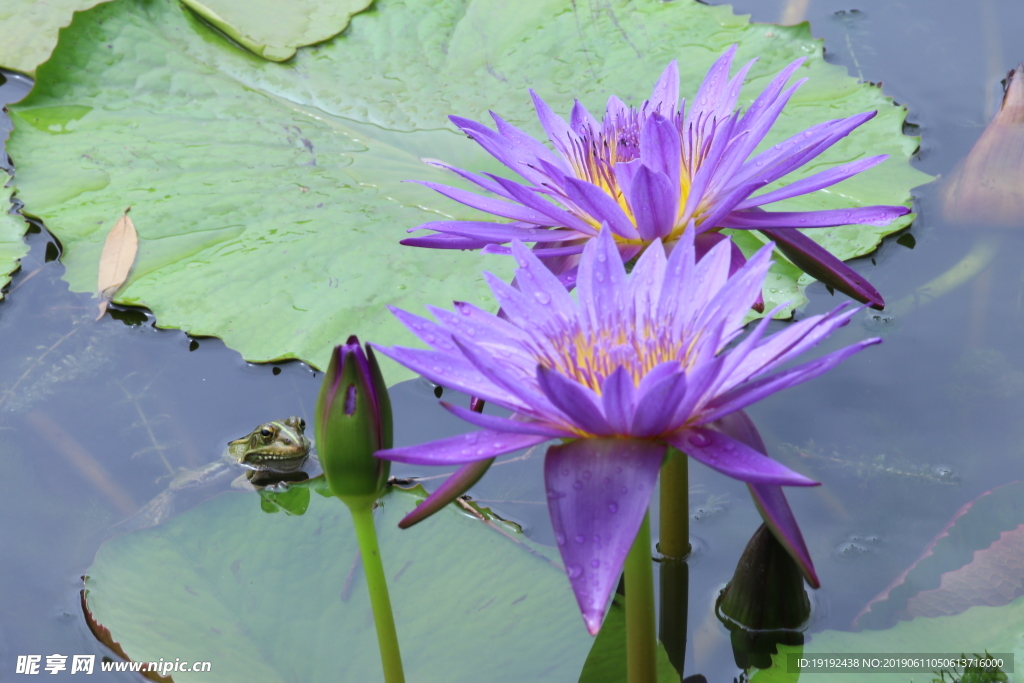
{"points": [[265, 432], [302, 423]]}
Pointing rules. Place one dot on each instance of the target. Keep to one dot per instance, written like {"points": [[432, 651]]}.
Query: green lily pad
{"points": [[29, 28], [997, 630], [606, 662], [12, 230], [280, 597], [269, 198], [274, 30]]}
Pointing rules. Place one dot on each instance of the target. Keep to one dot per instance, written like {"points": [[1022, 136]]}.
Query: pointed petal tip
{"points": [[593, 621]]}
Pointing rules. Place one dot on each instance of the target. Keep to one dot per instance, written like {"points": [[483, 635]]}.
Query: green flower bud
{"points": [[353, 421]]}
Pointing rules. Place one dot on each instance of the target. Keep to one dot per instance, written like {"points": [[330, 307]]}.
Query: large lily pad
{"points": [[997, 630], [29, 28], [274, 30], [277, 597], [268, 197], [12, 228]]}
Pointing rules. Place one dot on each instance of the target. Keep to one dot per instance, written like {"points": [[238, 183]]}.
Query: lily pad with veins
{"points": [[269, 197]]}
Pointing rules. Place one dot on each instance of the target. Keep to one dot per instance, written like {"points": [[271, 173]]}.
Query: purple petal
{"points": [[535, 280], [596, 203], [733, 458], [498, 232], [710, 92], [559, 251], [532, 199], [475, 178], [813, 183], [527, 399], [442, 241], [514, 157], [558, 130], [781, 158], [655, 203], [504, 424], [498, 207], [598, 491], [451, 371], [602, 280], [618, 400], [530, 146], [870, 215], [655, 407], [665, 97], [579, 404], [819, 263], [752, 392], [660, 150], [581, 120], [770, 500], [706, 173], [453, 487], [456, 450]]}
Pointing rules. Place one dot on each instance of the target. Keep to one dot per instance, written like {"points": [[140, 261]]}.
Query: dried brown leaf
{"points": [[116, 260], [987, 188]]}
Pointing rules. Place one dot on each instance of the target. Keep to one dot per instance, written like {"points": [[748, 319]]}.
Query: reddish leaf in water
{"points": [[974, 560], [992, 578], [116, 260]]}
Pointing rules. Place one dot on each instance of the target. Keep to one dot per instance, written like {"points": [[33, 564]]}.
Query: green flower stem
{"points": [[674, 536], [641, 664], [387, 638]]}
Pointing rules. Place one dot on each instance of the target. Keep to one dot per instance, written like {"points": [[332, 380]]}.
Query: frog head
{"points": [[279, 446]]}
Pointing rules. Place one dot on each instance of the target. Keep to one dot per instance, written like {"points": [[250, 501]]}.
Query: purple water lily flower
{"points": [[650, 173], [641, 362]]}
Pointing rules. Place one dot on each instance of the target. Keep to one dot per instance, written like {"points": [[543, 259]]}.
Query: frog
{"points": [[272, 454]]}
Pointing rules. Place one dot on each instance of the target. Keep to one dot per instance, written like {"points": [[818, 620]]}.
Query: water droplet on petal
{"points": [[623, 490], [565, 471], [542, 298], [595, 563], [580, 538], [699, 440], [577, 484], [613, 508], [560, 538], [586, 474], [574, 571]]}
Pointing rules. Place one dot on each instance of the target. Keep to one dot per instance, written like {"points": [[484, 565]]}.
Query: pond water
{"points": [[95, 416]]}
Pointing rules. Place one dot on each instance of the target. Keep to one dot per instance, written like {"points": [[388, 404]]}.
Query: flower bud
{"points": [[353, 421]]}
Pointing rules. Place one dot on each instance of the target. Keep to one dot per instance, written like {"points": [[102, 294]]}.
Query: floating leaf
{"points": [[281, 597], [116, 261], [12, 244], [974, 560], [274, 191], [30, 27], [606, 662], [274, 30], [987, 188]]}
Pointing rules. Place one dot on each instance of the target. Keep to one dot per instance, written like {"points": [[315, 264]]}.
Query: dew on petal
{"points": [[699, 440], [580, 538], [560, 538], [595, 563], [587, 474], [613, 508], [542, 298], [577, 484], [574, 571]]}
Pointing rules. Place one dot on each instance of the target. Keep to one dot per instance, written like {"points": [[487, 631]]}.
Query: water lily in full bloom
{"points": [[636, 363], [653, 172]]}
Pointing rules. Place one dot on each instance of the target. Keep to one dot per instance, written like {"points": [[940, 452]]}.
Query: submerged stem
{"points": [[641, 664], [376, 582], [674, 535], [966, 269]]}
